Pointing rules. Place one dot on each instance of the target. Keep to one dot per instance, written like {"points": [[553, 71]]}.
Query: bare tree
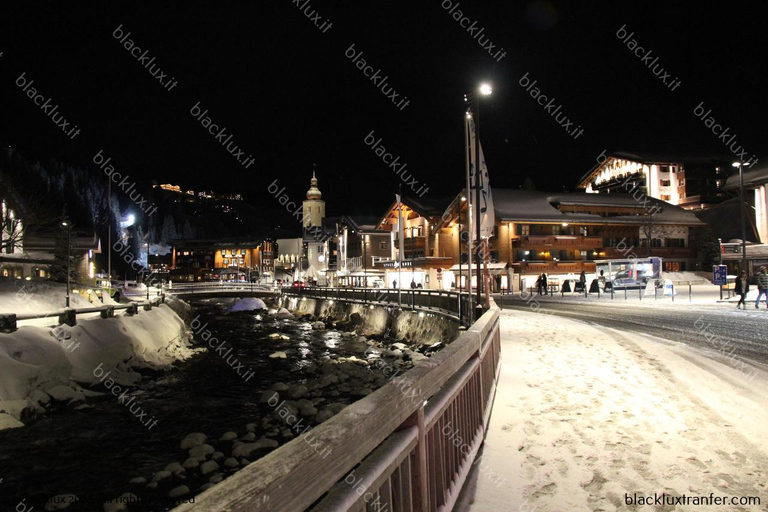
{"points": [[650, 228]]}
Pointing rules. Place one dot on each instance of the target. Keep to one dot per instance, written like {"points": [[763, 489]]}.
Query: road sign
{"points": [[719, 275]]}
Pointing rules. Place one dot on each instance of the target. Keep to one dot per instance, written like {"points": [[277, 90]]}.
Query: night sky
{"points": [[285, 90]]}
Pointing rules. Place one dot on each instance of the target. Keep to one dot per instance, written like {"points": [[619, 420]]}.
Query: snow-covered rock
{"points": [[278, 355], [8, 421], [284, 313], [248, 304]]}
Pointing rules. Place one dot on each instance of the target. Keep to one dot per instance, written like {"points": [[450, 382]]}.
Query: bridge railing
{"points": [[208, 287], [454, 304], [68, 316], [394, 450]]}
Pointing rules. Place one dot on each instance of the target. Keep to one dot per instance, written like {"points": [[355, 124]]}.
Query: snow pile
{"points": [[584, 416], [247, 304], [34, 358], [28, 297]]}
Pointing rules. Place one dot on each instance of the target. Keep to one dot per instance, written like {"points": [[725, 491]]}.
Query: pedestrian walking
{"points": [[762, 287], [742, 288], [544, 282], [539, 284], [583, 280]]}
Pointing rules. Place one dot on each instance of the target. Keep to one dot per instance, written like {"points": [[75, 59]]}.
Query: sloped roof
{"points": [[752, 178], [533, 206]]}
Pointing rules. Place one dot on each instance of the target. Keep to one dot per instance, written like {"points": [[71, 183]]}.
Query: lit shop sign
{"points": [[396, 264]]}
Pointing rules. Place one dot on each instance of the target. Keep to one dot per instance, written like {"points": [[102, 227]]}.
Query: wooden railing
{"points": [[68, 316], [397, 444]]}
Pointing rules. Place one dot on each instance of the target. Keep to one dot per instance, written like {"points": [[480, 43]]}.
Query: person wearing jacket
{"points": [[762, 287], [742, 288]]}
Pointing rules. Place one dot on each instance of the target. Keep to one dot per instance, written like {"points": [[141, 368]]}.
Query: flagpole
{"points": [[470, 202], [477, 190], [400, 248]]}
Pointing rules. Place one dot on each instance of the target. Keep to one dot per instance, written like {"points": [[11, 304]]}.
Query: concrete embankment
{"points": [[403, 324]]}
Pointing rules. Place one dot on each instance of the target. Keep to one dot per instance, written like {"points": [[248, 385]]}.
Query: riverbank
{"points": [[41, 365]]}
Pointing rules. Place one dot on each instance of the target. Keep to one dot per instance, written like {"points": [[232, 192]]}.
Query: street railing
{"points": [[68, 316]]}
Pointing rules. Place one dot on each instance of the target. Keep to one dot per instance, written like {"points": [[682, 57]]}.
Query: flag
{"points": [[486, 212], [400, 235]]}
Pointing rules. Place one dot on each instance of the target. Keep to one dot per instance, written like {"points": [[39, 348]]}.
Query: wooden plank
{"points": [[373, 473]]}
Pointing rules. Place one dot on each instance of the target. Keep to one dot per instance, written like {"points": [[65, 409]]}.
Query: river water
{"points": [[94, 453]]}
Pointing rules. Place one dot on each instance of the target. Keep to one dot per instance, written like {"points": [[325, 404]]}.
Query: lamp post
{"points": [[69, 259], [365, 267], [743, 221], [484, 90]]}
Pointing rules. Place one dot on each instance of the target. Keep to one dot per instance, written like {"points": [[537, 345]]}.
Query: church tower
{"points": [[314, 206]]}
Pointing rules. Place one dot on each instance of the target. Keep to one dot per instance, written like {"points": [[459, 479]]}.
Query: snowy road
{"points": [[585, 416], [716, 328]]}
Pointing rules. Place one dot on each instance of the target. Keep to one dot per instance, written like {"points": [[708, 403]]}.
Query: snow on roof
{"points": [[533, 206]]}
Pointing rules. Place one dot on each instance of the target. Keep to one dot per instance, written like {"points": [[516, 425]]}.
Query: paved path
{"points": [[584, 416]]}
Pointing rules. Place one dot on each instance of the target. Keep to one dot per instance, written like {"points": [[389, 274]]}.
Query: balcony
{"points": [[557, 242], [642, 252], [554, 267], [413, 243]]}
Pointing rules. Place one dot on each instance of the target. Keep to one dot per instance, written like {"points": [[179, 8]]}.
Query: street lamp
{"points": [[65, 225], [484, 90], [743, 221]]}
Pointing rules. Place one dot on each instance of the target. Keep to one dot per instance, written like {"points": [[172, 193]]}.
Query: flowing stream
{"points": [[94, 452]]}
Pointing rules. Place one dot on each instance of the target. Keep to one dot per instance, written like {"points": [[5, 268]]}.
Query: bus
{"points": [[629, 273]]}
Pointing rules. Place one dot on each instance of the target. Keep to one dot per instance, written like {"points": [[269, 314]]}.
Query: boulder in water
{"points": [[324, 415], [209, 467], [175, 468], [228, 436], [245, 450], [318, 326], [201, 451], [278, 355], [284, 313], [161, 475], [297, 391], [193, 440], [181, 490], [279, 386]]}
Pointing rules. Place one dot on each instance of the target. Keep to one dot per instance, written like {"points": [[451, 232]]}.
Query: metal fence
{"points": [[68, 316], [457, 306]]}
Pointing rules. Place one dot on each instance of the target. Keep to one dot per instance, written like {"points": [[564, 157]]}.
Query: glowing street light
{"points": [[485, 89]]}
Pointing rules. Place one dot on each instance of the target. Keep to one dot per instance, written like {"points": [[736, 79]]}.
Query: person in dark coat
{"points": [[544, 282], [742, 288], [538, 284], [583, 280]]}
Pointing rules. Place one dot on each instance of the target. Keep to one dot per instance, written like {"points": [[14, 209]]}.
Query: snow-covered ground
{"points": [[41, 360], [584, 416]]}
